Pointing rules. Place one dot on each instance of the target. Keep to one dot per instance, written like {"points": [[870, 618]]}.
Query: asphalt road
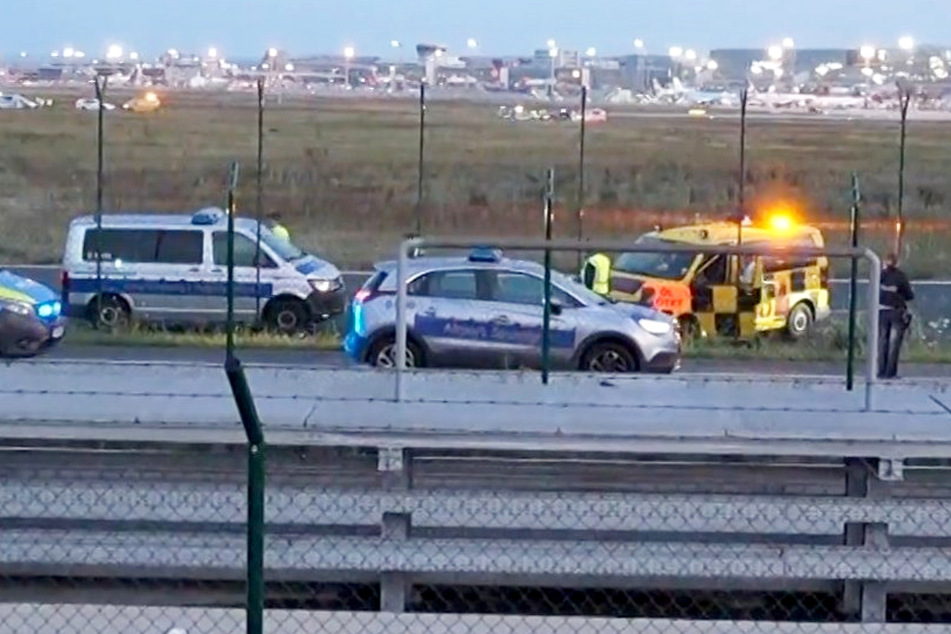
{"points": [[332, 359], [932, 304]]}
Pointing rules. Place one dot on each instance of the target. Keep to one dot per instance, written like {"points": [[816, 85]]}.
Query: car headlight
{"points": [[655, 327], [325, 286], [19, 308]]}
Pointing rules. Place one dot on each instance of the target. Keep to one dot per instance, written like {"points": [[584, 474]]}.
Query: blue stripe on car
{"points": [[472, 330], [170, 287]]}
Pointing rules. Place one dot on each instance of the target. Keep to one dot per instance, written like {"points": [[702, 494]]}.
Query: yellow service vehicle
{"points": [[148, 102], [723, 295]]}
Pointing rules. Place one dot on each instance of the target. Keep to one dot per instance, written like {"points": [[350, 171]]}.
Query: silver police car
{"points": [[486, 311]]}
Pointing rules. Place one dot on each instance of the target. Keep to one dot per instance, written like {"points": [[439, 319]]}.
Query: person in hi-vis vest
{"points": [[596, 274], [274, 224]]}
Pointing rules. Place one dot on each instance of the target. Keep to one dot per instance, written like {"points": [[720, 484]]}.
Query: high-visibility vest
{"points": [[597, 273], [281, 232]]}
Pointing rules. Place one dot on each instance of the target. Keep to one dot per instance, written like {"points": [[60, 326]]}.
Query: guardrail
{"points": [[413, 244], [448, 539]]}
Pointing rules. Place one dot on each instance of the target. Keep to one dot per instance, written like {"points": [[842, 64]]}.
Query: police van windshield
{"points": [[665, 266], [283, 248]]}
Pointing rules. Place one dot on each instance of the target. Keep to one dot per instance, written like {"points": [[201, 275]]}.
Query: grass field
{"points": [[344, 172]]}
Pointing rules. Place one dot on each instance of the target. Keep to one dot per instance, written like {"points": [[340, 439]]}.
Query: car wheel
{"points": [[286, 316], [609, 357], [383, 354], [799, 323], [109, 313]]}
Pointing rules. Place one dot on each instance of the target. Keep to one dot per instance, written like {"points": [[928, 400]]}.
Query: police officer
{"points": [[274, 224], [893, 316]]}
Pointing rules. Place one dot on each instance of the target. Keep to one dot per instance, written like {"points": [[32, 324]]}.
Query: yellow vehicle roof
{"points": [[725, 233]]}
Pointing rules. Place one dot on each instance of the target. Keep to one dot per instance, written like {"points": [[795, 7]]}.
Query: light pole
{"points": [[348, 54], [552, 55]]}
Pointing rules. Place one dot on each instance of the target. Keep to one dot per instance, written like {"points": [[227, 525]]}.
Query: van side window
{"points": [[127, 245], [180, 247], [244, 251]]}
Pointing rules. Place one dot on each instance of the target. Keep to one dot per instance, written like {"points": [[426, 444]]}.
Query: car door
{"points": [[516, 319], [246, 254], [448, 312]]}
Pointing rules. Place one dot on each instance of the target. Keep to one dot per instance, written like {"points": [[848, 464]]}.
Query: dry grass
{"points": [[343, 173]]}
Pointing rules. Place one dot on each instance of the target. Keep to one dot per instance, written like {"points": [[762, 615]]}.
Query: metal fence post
{"points": [[581, 148], [853, 282], [241, 392], [101, 83], [546, 316], [871, 337], [420, 164], [905, 102], [259, 194]]}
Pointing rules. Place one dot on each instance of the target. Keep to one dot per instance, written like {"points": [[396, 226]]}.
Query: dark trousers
{"points": [[892, 325]]}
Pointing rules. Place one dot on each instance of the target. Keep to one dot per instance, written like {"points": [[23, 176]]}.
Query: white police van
{"points": [[172, 268]]}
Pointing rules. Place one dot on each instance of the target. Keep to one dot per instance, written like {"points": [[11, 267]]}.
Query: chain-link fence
{"points": [[150, 539]]}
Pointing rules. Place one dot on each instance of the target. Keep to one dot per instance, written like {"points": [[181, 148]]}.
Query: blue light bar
{"points": [[208, 216], [485, 254]]}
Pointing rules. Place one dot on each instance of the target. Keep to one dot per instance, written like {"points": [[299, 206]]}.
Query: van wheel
{"points": [[799, 323], [382, 353], [608, 357], [109, 313], [286, 316]]}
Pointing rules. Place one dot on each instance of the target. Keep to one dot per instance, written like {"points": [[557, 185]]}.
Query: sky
{"points": [[246, 28]]}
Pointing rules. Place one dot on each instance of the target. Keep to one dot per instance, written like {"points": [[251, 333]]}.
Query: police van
{"points": [[172, 268]]}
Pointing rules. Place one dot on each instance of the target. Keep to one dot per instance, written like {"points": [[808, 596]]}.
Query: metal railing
{"points": [[146, 537], [520, 244]]}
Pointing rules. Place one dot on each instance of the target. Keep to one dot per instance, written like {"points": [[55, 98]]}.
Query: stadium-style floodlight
{"points": [[472, 43], [133, 56], [676, 51], [591, 52], [551, 44], [867, 52], [114, 52], [789, 43], [712, 65], [639, 44], [68, 52], [690, 54], [213, 53], [272, 52], [775, 53], [349, 52], [395, 43], [906, 43], [289, 67]]}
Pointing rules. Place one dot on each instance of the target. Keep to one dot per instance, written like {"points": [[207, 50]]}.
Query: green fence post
{"points": [[546, 320], [252, 428], [853, 282]]}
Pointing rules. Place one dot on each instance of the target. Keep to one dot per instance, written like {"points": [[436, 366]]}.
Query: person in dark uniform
{"points": [[893, 316]]}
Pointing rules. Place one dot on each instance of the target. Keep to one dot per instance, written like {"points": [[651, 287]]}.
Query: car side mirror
{"points": [[556, 307]]}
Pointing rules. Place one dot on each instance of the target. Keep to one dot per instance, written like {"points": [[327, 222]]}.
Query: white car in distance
{"points": [[93, 105]]}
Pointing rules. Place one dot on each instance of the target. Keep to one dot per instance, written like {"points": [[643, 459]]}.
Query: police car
{"points": [[173, 268], [30, 316], [486, 311]]}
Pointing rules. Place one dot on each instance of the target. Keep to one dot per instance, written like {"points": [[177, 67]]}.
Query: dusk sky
{"points": [[242, 28]]}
